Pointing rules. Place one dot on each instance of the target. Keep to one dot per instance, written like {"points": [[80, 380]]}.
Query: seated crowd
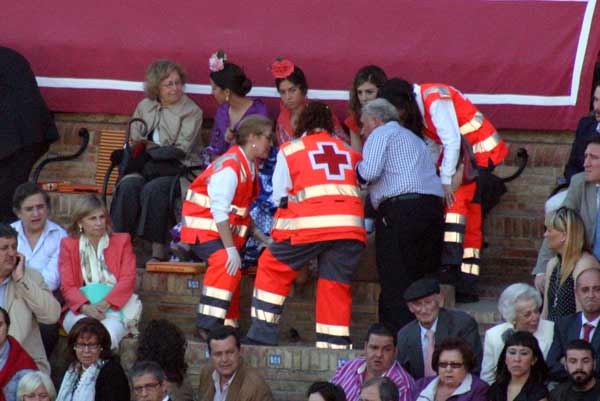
{"points": [[297, 189]]}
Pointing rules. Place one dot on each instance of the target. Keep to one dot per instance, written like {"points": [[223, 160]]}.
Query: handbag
{"points": [[130, 313], [466, 169], [162, 161]]}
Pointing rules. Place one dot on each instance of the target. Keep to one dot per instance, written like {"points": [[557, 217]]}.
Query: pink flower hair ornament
{"points": [[217, 61], [282, 68]]}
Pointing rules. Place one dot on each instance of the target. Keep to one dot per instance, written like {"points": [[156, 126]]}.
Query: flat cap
{"points": [[421, 289]]}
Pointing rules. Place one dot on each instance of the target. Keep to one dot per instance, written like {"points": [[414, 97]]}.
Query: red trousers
{"points": [[462, 234], [220, 300]]}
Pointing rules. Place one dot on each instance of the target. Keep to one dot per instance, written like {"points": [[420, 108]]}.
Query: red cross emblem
{"points": [[331, 159]]}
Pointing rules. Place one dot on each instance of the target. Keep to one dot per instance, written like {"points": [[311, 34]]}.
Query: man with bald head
{"points": [[581, 325]]}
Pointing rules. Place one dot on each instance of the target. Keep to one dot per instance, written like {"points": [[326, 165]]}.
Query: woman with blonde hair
{"points": [[565, 234], [36, 386], [97, 269], [140, 204], [216, 222]]}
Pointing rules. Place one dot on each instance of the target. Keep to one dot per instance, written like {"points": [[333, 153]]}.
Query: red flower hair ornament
{"points": [[282, 68]]}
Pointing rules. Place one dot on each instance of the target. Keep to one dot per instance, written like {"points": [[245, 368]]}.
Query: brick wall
{"points": [[513, 230]]}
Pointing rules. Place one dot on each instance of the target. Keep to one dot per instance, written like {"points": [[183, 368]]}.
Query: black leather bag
{"points": [[163, 161]]}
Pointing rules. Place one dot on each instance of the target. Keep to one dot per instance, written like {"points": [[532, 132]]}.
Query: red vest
{"points": [[197, 220], [476, 129], [324, 202]]}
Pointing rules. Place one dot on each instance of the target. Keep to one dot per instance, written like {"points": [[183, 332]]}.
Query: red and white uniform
{"points": [[448, 115], [224, 191], [323, 218]]}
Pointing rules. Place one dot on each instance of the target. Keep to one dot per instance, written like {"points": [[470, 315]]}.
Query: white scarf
{"points": [[93, 266], [78, 386]]}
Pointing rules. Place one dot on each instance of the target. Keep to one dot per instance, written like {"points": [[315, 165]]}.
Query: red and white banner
{"points": [[527, 64]]}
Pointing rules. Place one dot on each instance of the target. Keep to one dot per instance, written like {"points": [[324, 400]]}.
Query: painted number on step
{"points": [[275, 359], [193, 283]]}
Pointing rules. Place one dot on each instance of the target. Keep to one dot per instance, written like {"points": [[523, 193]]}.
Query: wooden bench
{"points": [[109, 141], [194, 268]]}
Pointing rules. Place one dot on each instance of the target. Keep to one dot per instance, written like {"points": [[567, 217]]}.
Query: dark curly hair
{"points": [[454, 344], [372, 74], [232, 77], [539, 370], [399, 92], [164, 343], [315, 115], [297, 78]]}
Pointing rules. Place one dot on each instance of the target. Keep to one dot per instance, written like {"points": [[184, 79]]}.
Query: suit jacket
{"points": [[28, 303], [566, 330], [120, 260], [586, 129], [450, 323], [493, 345], [581, 197], [247, 378]]}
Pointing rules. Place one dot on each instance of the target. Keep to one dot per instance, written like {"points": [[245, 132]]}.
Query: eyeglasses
{"points": [[171, 84], [147, 387], [452, 365], [89, 347]]}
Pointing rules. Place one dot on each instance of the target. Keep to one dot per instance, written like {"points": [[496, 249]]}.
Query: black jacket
{"points": [[24, 117]]}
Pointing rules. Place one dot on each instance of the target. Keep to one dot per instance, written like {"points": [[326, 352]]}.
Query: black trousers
{"points": [[408, 243]]}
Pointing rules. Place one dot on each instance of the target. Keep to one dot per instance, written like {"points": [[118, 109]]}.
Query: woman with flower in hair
{"points": [[230, 85], [292, 86], [365, 88]]}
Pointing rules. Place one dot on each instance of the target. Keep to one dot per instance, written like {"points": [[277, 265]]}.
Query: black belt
{"points": [[404, 197]]}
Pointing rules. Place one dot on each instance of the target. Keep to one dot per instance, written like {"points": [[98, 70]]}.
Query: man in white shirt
{"points": [[149, 382], [581, 325]]}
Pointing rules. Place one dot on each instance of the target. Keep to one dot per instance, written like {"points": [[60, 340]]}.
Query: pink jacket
{"points": [[120, 260]]}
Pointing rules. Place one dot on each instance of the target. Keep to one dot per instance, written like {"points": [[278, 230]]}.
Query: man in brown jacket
{"points": [[224, 378]]}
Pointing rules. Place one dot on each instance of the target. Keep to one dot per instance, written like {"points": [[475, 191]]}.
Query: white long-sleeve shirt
{"points": [[221, 190], [444, 118], [44, 256]]}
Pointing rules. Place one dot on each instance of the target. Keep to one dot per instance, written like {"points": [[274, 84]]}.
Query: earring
{"points": [[253, 145], [80, 229]]}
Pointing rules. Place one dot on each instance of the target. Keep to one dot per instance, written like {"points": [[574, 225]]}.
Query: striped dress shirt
{"points": [[395, 162], [349, 377]]}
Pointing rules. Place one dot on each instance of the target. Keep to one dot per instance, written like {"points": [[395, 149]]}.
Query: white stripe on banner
{"points": [[327, 94]]}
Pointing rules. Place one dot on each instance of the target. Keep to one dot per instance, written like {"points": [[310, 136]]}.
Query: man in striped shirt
{"points": [[379, 361], [407, 196]]}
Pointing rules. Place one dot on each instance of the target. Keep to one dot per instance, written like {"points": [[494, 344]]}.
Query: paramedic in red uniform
{"points": [[320, 215], [448, 118], [216, 220]]}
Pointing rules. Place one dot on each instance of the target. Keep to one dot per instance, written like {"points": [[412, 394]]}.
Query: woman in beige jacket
{"points": [[565, 234], [140, 204]]}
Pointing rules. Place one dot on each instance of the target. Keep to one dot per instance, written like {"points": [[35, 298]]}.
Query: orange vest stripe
{"points": [[324, 202], [473, 125], [198, 224]]}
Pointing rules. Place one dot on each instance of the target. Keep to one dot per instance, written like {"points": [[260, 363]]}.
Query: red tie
{"points": [[587, 329]]}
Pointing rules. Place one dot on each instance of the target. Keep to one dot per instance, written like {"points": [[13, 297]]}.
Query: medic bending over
{"points": [[215, 220], [320, 216], [448, 116]]}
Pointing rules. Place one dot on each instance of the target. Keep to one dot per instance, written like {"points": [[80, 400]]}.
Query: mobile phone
{"points": [[18, 260]]}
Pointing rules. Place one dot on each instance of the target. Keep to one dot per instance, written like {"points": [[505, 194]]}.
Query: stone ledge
{"points": [[289, 370]]}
